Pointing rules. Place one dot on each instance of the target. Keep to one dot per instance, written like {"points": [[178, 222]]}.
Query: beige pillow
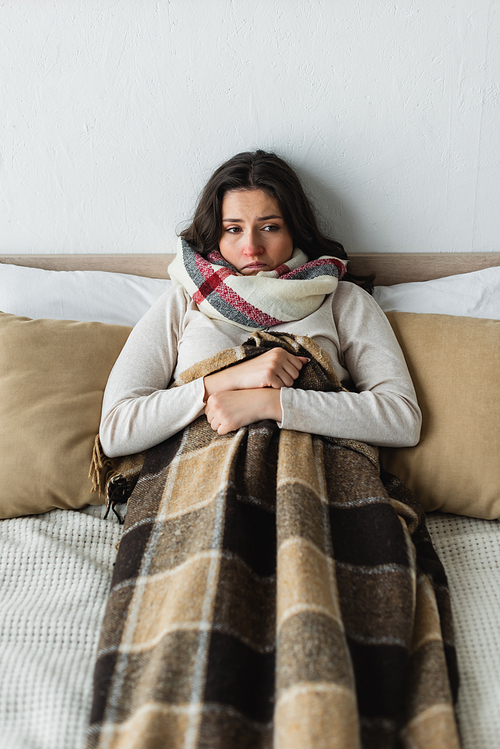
{"points": [[455, 366], [52, 377]]}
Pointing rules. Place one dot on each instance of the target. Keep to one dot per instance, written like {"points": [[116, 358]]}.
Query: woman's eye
{"points": [[271, 227], [233, 229]]}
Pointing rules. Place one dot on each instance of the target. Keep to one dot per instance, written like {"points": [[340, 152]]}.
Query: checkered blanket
{"points": [[271, 590]]}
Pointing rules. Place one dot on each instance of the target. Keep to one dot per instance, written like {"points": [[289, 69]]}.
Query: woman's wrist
{"points": [[271, 402], [216, 383]]}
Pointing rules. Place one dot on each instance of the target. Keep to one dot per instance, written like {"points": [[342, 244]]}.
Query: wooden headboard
{"points": [[390, 268]]}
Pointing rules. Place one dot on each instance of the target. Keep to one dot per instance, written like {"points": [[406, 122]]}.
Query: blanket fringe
{"points": [[113, 478], [103, 473], [101, 469]]}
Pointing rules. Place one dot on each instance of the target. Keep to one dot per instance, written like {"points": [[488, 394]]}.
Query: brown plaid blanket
{"points": [[272, 590]]}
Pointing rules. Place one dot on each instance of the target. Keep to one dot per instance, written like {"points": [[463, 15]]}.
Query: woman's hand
{"points": [[232, 409], [274, 369]]}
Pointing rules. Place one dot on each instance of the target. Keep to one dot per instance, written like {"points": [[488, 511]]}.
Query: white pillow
{"points": [[122, 299], [89, 295], [475, 294]]}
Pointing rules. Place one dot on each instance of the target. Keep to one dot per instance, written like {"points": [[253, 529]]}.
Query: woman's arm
{"points": [[138, 411], [384, 410], [276, 368]]}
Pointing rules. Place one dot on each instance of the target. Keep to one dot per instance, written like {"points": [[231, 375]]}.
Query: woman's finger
{"points": [[285, 370], [283, 379], [292, 366]]}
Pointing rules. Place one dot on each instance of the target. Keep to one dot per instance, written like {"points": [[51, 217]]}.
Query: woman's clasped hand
{"points": [[249, 391]]}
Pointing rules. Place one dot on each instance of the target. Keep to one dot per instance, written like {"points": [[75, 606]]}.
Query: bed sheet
{"points": [[55, 571]]}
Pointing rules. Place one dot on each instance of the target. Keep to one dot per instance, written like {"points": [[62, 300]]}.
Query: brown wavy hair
{"points": [[259, 170]]}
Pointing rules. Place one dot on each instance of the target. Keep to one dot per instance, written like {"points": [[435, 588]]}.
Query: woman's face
{"points": [[254, 234]]}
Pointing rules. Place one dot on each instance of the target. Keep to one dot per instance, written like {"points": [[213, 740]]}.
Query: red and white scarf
{"points": [[255, 302]]}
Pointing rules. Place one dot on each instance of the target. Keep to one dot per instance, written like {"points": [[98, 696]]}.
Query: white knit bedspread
{"points": [[470, 552], [55, 571]]}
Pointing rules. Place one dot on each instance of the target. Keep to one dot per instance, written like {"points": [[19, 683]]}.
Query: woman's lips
{"points": [[254, 266]]}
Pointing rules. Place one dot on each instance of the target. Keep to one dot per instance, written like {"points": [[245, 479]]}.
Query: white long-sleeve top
{"points": [[138, 411]]}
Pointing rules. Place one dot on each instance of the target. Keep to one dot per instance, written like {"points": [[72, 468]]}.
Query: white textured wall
{"points": [[114, 112]]}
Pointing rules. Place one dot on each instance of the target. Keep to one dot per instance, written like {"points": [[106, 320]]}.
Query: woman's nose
{"points": [[252, 245]]}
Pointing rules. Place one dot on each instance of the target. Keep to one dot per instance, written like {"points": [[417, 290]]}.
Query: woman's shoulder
{"points": [[356, 308], [350, 290], [168, 310], [174, 297], [350, 295]]}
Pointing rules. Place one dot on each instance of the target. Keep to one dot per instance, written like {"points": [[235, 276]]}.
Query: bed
{"points": [[63, 322]]}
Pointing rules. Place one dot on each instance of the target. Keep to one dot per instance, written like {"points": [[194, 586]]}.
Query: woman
{"points": [[255, 214], [268, 586]]}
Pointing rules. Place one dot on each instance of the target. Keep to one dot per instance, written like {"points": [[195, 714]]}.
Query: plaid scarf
{"points": [[255, 302], [271, 589]]}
